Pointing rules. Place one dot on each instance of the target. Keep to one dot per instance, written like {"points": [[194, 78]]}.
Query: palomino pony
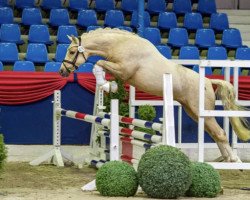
{"points": [[136, 61]]}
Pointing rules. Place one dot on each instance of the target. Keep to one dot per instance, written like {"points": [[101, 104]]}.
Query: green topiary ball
{"points": [[205, 181], [116, 178], [3, 152], [147, 112], [164, 172]]}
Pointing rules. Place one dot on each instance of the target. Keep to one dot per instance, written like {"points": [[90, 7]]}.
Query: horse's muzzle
{"points": [[63, 73]]}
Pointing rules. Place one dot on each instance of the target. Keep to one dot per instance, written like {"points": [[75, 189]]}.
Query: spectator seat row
{"points": [[204, 38], [153, 6], [25, 66]]}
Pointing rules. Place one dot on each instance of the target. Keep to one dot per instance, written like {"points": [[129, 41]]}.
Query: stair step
{"points": [[244, 28], [235, 12], [245, 36], [239, 19], [247, 43]]}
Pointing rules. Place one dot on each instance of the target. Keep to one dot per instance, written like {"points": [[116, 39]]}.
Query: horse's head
{"points": [[75, 56]]}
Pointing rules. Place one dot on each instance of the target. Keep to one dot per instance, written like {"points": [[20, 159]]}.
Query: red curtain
{"points": [[87, 81], [27, 87]]}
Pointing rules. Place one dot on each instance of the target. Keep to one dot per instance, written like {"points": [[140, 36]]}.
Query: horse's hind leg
{"points": [[219, 136], [216, 132]]}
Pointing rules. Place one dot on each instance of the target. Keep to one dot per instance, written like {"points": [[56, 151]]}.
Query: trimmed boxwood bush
{"points": [[3, 152], [164, 172], [205, 181], [116, 178], [146, 112]]}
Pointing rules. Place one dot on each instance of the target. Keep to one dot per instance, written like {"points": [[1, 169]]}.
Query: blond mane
{"points": [[109, 31]]}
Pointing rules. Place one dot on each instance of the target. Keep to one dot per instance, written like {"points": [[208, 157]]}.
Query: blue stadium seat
{"points": [[206, 7], [21, 4], [193, 21], [165, 51], [62, 33], [129, 5], [231, 38], [208, 70], [104, 5], [37, 53], [134, 19], [243, 53], [181, 7], [11, 33], [216, 53], [59, 17], [92, 28], [219, 22], [4, 3], [167, 20], [126, 28], [86, 67], [114, 18], [31, 16], [86, 18], [94, 59], [52, 66], [24, 66], [48, 4], [77, 5], [189, 53], [8, 52], [6, 15], [61, 51], [156, 6], [1, 66], [205, 38], [178, 37], [39, 34], [153, 35]]}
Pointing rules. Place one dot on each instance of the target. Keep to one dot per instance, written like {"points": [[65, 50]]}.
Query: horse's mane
{"points": [[108, 30]]}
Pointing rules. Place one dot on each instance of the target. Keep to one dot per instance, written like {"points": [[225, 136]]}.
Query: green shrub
{"points": [[146, 112], [164, 172], [116, 178], [205, 181], [3, 152]]}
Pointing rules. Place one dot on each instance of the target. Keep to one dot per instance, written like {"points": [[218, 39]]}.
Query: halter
{"points": [[80, 49]]}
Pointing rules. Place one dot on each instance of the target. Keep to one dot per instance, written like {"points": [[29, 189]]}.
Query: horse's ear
{"points": [[70, 38], [74, 39]]}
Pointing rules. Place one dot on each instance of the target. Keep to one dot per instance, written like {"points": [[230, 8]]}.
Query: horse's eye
{"points": [[71, 52]]}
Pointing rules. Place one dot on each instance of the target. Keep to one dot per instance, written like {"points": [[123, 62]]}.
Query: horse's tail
{"points": [[225, 92]]}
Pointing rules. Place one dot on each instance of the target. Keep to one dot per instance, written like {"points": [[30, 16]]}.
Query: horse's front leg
{"points": [[113, 68]]}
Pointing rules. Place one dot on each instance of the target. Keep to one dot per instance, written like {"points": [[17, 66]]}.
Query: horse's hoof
{"points": [[219, 159], [235, 159]]}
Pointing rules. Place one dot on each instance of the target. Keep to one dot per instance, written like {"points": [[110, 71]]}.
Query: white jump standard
{"points": [[56, 155]]}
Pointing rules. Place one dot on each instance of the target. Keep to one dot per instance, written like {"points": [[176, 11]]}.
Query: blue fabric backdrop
{"points": [[32, 123]]}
